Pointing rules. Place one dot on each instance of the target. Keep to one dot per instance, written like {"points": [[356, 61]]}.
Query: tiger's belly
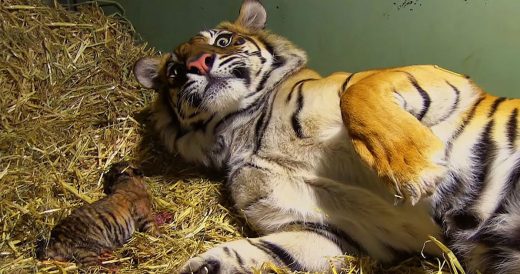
{"points": [[335, 186]]}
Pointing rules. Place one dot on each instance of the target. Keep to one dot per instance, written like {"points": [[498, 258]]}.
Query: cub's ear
{"points": [[147, 72], [252, 15]]}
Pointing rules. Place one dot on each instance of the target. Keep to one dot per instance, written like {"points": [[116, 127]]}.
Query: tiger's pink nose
{"points": [[201, 65]]}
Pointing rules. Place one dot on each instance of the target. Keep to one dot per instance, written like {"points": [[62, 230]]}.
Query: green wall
{"points": [[480, 38]]}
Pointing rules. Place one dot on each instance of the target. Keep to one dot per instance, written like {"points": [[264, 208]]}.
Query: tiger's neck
{"points": [[239, 134]]}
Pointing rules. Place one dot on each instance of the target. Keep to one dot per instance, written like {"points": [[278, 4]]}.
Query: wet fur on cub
{"points": [[104, 225]]}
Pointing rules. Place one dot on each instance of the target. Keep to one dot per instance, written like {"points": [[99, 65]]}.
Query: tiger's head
{"points": [[221, 70]]}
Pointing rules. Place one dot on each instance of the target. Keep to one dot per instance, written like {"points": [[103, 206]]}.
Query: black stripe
{"points": [[495, 105], [78, 228], [281, 254], [253, 42], [175, 122], [295, 121], [345, 84], [483, 152], [493, 238], [512, 128], [405, 104], [499, 260], [220, 145], [459, 130], [454, 106], [191, 116], [510, 187], [268, 46], [187, 85], [261, 85], [279, 61], [257, 104], [97, 227], [241, 72], [106, 228], [258, 128], [228, 60], [108, 225], [226, 250], [426, 98], [122, 232], [289, 97], [447, 195], [128, 220], [147, 226], [333, 234], [193, 99], [239, 258], [265, 123], [118, 229]]}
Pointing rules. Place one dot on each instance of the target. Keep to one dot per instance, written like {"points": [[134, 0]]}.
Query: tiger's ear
{"points": [[147, 72], [252, 15]]}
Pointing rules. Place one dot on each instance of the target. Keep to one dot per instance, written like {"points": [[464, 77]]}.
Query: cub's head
{"points": [[221, 70], [121, 173]]}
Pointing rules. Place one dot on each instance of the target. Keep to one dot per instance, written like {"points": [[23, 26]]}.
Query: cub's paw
{"points": [[412, 167]]}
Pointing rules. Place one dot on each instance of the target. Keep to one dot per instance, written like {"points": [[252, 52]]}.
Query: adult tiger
{"points": [[240, 98]]}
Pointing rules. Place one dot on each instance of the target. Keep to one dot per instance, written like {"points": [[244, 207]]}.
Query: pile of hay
{"points": [[69, 108]]}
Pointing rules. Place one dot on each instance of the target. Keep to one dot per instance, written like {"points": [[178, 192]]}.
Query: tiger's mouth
{"points": [[210, 82], [219, 91]]}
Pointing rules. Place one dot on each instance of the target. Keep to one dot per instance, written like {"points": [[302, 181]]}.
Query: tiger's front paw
{"points": [[240, 256], [411, 166], [201, 265]]}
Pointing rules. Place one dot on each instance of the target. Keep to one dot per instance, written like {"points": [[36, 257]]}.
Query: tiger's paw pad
{"points": [[200, 265]]}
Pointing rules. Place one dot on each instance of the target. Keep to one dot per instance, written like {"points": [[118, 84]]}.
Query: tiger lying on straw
{"points": [[104, 225], [306, 156]]}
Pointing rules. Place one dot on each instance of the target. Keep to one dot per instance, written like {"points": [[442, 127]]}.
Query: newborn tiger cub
{"points": [[106, 224]]}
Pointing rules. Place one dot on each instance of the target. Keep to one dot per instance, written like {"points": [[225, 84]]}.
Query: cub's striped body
{"points": [[105, 224], [307, 155]]}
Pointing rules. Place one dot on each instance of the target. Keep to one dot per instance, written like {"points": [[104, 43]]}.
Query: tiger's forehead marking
{"points": [[212, 34]]}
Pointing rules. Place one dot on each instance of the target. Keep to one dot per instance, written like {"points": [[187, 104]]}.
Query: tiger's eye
{"points": [[223, 40]]}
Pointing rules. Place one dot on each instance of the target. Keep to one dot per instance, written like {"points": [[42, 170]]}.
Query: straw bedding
{"points": [[69, 108]]}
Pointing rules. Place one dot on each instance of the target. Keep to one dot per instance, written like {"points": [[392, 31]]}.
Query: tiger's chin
{"points": [[223, 97]]}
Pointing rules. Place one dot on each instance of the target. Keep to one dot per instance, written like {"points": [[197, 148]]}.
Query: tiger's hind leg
{"points": [[495, 246], [389, 115]]}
